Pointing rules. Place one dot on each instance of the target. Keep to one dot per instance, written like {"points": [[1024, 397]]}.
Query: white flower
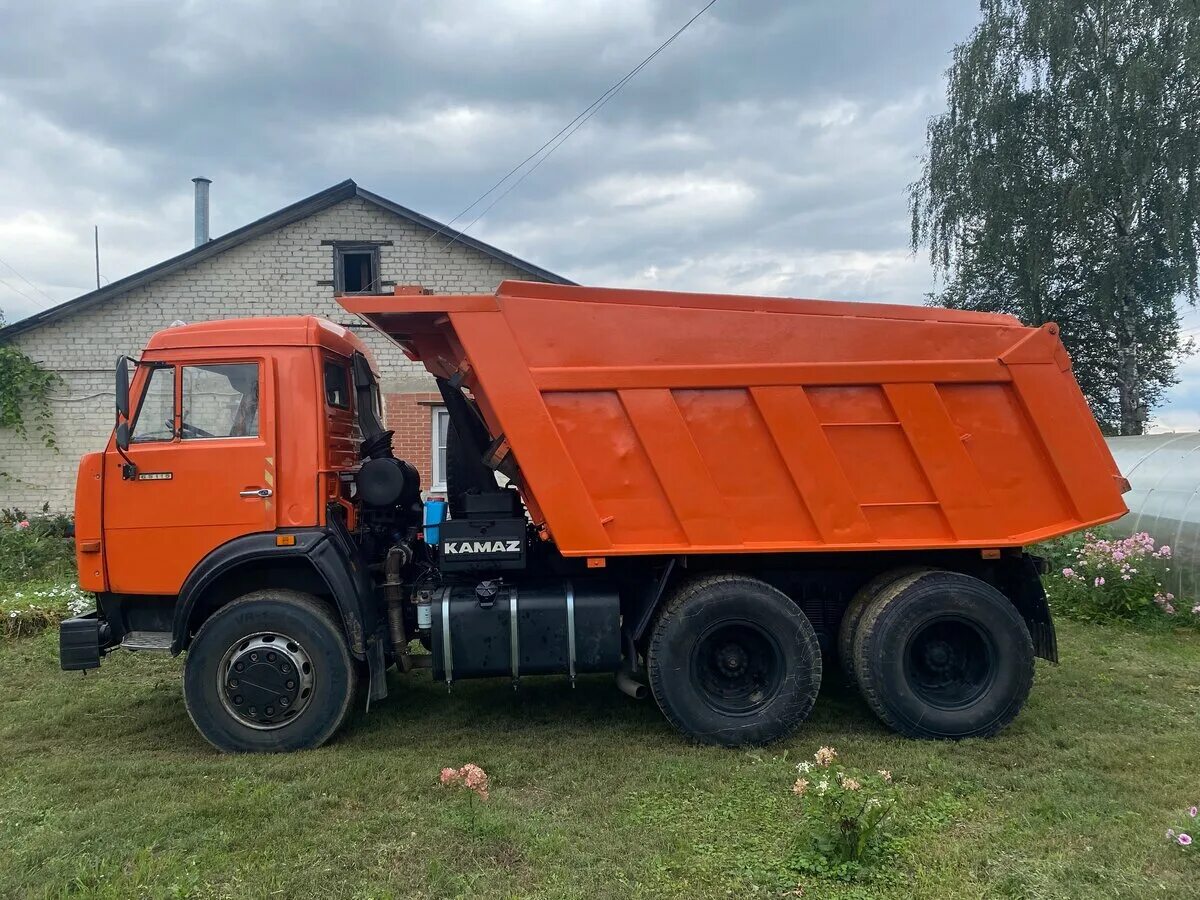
{"points": [[804, 767]]}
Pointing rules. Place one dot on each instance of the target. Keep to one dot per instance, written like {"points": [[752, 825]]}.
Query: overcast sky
{"points": [[766, 151]]}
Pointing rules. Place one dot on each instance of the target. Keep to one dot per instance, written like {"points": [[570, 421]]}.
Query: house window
{"points": [[440, 422], [356, 268]]}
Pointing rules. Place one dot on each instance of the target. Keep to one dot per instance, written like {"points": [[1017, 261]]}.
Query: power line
{"points": [[33, 300], [27, 281], [565, 133]]}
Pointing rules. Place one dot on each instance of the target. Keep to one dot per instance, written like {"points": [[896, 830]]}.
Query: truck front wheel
{"points": [[943, 655], [733, 661], [269, 672]]}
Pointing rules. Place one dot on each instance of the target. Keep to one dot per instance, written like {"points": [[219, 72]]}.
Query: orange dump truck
{"points": [[703, 494]]}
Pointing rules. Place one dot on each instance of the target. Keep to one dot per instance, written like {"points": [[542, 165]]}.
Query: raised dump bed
{"points": [[647, 422]]}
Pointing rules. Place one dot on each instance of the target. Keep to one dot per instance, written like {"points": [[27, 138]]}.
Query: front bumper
{"points": [[81, 642]]}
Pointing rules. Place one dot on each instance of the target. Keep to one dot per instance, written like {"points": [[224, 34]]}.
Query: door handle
{"points": [[264, 493]]}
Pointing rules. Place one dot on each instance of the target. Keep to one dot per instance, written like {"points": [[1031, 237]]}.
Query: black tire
{"points": [[301, 636], [732, 661], [941, 655], [854, 613]]}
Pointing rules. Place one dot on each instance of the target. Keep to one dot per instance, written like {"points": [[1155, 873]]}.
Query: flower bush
{"points": [[30, 608], [1104, 579], [35, 546], [848, 810]]}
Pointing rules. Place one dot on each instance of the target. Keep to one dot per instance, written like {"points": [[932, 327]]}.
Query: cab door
{"points": [[202, 447]]}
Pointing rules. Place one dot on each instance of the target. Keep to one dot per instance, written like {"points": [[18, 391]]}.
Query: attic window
{"points": [[356, 268]]}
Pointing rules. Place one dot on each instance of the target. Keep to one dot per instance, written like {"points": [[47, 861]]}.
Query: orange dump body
{"points": [[646, 422]]}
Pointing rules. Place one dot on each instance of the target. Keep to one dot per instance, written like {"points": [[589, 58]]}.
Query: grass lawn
{"points": [[106, 790]]}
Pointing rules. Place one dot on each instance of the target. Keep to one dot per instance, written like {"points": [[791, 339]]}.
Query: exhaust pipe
{"points": [[631, 686]]}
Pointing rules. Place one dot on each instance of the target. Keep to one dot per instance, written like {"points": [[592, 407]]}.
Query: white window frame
{"points": [[437, 451]]}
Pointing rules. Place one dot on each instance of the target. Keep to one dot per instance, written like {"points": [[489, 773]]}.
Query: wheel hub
{"points": [[732, 659], [737, 667], [265, 681], [949, 664], [938, 656]]}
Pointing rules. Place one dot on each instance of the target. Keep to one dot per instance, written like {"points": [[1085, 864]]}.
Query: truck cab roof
{"points": [[276, 331]]}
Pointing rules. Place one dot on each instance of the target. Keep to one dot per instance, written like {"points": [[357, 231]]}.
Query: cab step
{"points": [[149, 641]]}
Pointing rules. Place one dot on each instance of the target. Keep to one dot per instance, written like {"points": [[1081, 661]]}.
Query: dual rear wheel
{"points": [[936, 654]]}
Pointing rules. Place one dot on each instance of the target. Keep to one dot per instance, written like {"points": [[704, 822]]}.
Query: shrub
{"points": [[1098, 578], [847, 810], [35, 547], [30, 608]]}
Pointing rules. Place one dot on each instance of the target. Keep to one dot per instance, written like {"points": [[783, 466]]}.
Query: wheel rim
{"points": [[737, 666], [265, 680], [950, 663]]}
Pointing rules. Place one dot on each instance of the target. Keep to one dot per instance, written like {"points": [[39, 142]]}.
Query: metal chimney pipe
{"points": [[201, 210]]}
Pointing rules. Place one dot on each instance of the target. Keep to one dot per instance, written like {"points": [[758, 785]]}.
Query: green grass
{"points": [[106, 790]]}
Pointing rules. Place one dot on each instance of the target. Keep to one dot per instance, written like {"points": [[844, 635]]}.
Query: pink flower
{"points": [[1099, 580], [1068, 572], [1184, 839], [469, 776], [1192, 812], [24, 523], [824, 756]]}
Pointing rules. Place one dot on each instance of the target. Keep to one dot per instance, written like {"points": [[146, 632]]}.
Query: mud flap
{"points": [[377, 665]]}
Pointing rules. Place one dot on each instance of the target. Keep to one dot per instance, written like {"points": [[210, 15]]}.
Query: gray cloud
{"points": [[767, 149]]}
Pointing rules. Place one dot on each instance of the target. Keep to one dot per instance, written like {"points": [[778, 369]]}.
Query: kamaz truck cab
{"points": [[701, 494]]}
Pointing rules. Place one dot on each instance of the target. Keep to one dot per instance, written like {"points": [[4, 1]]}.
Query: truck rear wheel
{"points": [[733, 661], [269, 672], [943, 655]]}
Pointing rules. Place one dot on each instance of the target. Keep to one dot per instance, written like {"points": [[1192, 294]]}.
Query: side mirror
{"points": [[122, 435], [123, 390]]}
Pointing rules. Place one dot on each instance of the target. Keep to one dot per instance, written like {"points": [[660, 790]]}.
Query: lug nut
{"points": [[238, 667], [253, 657], [285, 668], [291, 685], [270, 710], [270, 657], [237, 698], [233, 682], [252, 711], [283, 701]]}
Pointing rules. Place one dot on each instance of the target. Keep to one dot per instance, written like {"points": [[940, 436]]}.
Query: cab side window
{"points": [[155, 419], [220, 401], [337, 385]]}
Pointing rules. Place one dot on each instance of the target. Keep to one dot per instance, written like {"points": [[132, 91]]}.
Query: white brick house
{"points": [[288, 263]]}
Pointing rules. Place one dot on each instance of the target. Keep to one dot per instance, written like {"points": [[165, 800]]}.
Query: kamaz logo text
{"points": [[454, 547]]}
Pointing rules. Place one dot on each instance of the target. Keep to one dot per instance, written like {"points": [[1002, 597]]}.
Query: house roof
{"points": [[286, 216]]}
